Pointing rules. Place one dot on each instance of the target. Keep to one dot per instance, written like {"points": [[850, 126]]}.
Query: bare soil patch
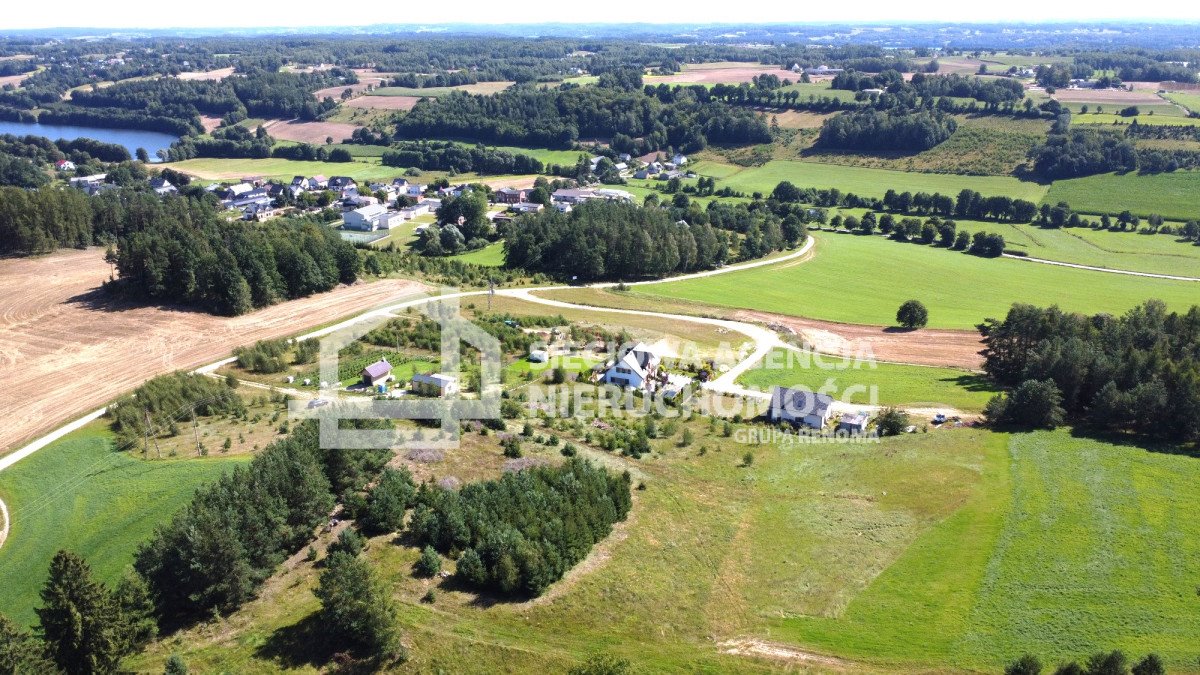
{"points": [[15, 80], [218, 74], [66, 349], [1107, 96], [796, 119], [778, 652], [383, 102], [309, 132], [925, 347], [209, 123]]}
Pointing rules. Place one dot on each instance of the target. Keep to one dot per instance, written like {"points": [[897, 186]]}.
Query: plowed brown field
{"points": [[67, 349]]}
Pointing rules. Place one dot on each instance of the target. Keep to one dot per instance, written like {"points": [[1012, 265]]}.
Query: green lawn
{"points": [[856, 279], [1172, 195], [863, 181], [1135, 251], [82, 495], [1190, 100], [491, 255], [863, 382]]}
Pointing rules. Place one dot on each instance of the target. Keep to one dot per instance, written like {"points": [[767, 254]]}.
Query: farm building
{"points": [[434, 384], [371, 217], [377, 373], [800, 406]]}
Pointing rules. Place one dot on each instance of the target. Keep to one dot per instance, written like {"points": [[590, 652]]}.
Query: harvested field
{"points": [[1109, 96], [383, 102], [927, 347], [963, 65], [309, 132], [15, 80], [796, 119], [728, 73], [66, 349], [218, 74]]}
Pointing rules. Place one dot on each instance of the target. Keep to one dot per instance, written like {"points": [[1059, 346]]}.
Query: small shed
{"points": [[855, 423], [377, 373], [538, 356]]}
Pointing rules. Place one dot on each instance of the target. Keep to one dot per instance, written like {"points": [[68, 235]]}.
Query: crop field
{"points": [[1115, 97], [819, 90], [82, 495], [862, 181], [1191, 100], [378, 102], [434, 92], [1111, 118], [1171, 195], [309, 132], [363, 169], [720, 72], [857, 279], [866, 383]]}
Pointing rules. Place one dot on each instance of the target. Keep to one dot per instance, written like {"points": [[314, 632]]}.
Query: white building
{"points": [[371, 217]]}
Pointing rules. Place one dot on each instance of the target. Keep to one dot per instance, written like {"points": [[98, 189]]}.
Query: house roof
{"points": [[855, 419], [371, 210], [433, 378], [800, 402], [378, 369]]}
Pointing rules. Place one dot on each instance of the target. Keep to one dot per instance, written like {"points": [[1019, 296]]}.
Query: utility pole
{"points": [[146, 438], [195, 430]]}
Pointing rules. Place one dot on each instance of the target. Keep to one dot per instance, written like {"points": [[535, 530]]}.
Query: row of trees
{"points": [[521, 533], [1139, 372], [156, 406]]}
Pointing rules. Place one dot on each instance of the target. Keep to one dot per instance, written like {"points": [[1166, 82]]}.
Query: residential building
{"points": [[800, 406], [162, 186], [509, 195], [434, 384], [377, 373], [854, 423], [634, 369]]}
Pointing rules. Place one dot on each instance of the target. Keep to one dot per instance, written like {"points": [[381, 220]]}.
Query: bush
{"points": [[912, 314], [1034, 403], [349, 542], [429, 564], [891, 422]]}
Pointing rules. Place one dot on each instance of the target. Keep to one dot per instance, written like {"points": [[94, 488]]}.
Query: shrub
{"points": [[429, 564]]}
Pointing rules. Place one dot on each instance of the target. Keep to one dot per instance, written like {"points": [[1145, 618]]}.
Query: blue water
{"points": [[132, 139]]}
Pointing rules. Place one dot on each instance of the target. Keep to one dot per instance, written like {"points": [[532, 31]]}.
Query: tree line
{"points": [[873, 131], [1139, 372], [449, 156]]}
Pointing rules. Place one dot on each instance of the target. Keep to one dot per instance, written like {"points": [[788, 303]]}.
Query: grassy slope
{"points": [[1071, 546], [894, 384], [82, 495], [1172, 195], [857, 279], [491, 255], [861, 181]]}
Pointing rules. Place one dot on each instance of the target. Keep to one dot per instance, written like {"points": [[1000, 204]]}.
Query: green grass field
{"points": [[866, 383], [82, 495], [491, 255], [1073, 546], [1112, 119], [860, 180], [546, 155], [1172, 195], [1189, 100], [863, 280], [434, 92]]}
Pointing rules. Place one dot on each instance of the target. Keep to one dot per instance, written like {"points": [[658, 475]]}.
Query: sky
{"points": [[303, 13]]}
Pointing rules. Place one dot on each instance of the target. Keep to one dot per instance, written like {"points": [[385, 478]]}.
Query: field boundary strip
{"points": [[1092, 268]]}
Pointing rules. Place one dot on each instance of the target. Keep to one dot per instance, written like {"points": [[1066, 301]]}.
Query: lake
{"points": [[132, 139]]}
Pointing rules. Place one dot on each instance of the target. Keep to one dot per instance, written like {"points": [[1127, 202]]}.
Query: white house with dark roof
{"points": [[800, 406], [634, 368]]}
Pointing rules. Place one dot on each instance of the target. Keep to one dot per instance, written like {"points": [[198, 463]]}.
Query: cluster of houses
{"points": [[377, 375], [98, 182], [664, 170]]}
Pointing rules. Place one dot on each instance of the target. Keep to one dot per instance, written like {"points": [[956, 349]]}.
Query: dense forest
{"points": [[522, 532], [1139, 372], [449, 156], [558, 118], [610, 240], [872, 130]]}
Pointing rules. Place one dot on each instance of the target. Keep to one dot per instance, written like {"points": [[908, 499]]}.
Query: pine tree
{"points": [[79, 620], [355, 606]]}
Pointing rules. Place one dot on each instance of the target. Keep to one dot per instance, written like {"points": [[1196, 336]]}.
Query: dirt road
{"points": [[66, 350]]}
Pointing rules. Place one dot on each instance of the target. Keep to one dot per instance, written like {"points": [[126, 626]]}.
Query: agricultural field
{"points": [[1066, 546], [857, 279], [819, 90], [864, 382], [1134, 251], [1189, 100], [83, 494], [720, 72], [434, 92], [1116, 120], [859, 180], [1171, 195], [315, 133]]}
